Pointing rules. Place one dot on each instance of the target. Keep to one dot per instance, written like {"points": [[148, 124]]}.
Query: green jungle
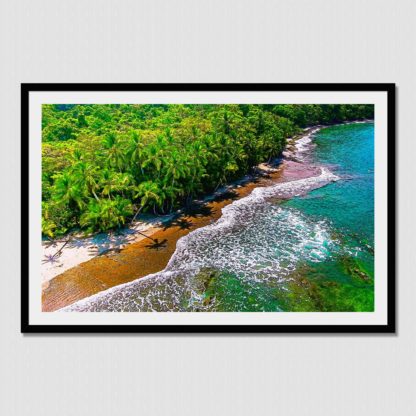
{"points": [[102, 165]]}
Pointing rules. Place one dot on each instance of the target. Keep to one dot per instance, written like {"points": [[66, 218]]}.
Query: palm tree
{"points": [[114, 182], [115, 157], [106, 214], [149, 193], [86, 175], [135, 152], [67, 191]]}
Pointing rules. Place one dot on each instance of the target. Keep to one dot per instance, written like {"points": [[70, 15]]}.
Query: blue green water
{"points": [[273, 250], [349, 203], [348, 206]]}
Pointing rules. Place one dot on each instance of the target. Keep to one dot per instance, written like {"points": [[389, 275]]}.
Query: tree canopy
{"points": [[104, 164]]}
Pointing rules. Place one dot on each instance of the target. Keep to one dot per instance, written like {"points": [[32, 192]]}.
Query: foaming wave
{"points": [[254, 239], [304, 144]]}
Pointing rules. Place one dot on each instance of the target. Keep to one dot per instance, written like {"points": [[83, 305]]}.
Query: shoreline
{"points": [[75, 249], [79, 249], [138, 257]]}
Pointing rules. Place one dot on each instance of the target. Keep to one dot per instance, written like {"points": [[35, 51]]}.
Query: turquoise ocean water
{"points": [[311, 252], [348, 207]]}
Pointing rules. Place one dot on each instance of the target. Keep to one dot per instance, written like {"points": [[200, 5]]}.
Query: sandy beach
{"points": [[62, 255], [90, 265]]}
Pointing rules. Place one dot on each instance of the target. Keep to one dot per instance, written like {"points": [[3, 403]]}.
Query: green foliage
{"points": [[103, 164], [105, 214]]}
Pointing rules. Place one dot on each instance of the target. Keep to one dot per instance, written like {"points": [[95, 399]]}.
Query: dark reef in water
{"points": [[305, 245]]}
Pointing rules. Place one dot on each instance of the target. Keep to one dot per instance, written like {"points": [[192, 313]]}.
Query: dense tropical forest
{"points": [[102, 165]]}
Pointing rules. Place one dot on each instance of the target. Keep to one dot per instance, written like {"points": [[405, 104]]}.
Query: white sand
{"points": [[81, 249]]}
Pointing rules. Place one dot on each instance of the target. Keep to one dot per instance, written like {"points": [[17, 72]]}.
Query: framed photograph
{"points": [[208, 208]]}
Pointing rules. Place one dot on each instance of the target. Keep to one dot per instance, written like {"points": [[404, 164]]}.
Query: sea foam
{"points": [[255, 239]]}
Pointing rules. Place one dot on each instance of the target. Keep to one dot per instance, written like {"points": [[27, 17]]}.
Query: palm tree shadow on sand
{"points": [[114, 241], [157, 245], [182, 223]]}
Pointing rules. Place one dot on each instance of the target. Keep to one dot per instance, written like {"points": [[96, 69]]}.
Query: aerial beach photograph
{"points": [[207, 208]]}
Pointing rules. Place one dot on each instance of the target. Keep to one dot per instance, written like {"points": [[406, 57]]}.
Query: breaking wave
{"points": [[255, 239], [304, 144]]}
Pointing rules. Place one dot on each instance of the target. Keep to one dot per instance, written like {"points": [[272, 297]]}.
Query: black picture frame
{"points": [[390, 327]]}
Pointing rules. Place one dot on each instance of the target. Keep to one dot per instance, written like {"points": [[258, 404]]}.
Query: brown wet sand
{"points": [[146, 256]]}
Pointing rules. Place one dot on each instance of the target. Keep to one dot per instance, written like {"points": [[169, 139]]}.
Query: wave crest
{"points": [[254, 238]]}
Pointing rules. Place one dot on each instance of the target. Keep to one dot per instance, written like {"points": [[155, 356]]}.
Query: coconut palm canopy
{"points": [[104, 164]]}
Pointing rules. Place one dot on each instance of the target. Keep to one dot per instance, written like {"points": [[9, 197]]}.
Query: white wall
{"points": [[206, 41]]}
